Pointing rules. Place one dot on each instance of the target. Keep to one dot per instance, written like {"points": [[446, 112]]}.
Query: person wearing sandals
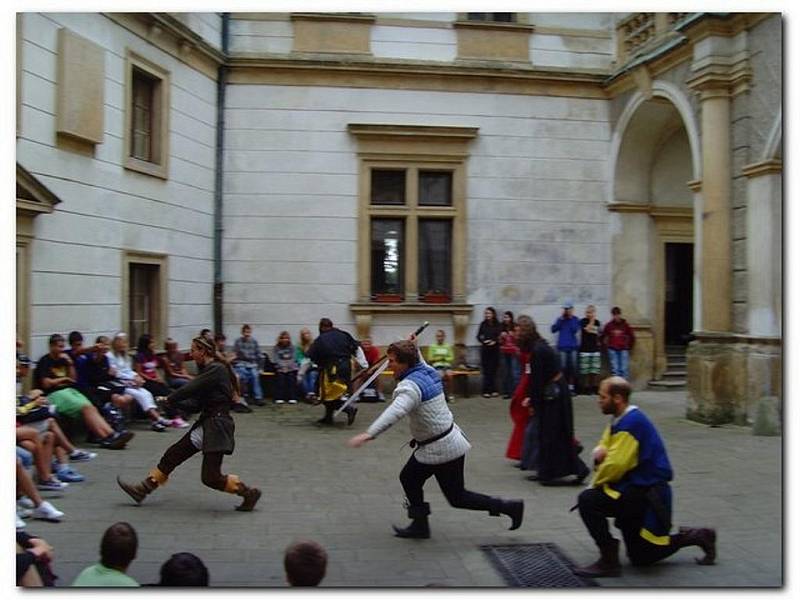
{"points": [[214, 389]]}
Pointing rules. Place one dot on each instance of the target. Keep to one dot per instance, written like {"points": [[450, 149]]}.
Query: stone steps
{"points": [[667, 384], [674, 378]]}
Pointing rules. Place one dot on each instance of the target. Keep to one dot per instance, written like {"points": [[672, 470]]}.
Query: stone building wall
{"points": [[535, 202], [105, 210]]}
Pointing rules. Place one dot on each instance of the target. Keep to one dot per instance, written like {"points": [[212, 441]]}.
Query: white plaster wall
{"points": [[274, 35], [537, 224], [633, 280], [574, 20], [206, 25], [571, 50], [104, 210], [414, 43], [672, 169]]}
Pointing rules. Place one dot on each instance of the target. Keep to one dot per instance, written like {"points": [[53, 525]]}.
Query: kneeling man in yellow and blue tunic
{"points": [[630, 484]]}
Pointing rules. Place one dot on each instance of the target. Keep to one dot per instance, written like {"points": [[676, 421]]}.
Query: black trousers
{"points": [[596, 507], [450, 477], [182, 450], [286, 386], [490, 359]]}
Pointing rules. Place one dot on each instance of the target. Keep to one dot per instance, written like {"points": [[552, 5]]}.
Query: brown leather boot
{"points": [[704, 538], [606, 566], [250, 495], [138, 491]]}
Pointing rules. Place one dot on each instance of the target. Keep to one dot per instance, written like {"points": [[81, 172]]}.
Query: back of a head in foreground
{"points": [[184, 569], [305, 563], [118, 546]]}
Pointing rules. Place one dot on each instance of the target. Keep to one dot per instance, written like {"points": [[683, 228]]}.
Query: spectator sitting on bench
{"points": [[247, 364], [55, 375], [286, 368], [172, 363], [441, 357]]}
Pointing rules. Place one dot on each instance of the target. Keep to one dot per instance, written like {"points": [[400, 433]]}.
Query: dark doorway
{"points": [[678, 294]]}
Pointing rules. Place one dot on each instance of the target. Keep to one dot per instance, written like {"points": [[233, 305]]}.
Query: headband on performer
{"points": [[204, 343]]}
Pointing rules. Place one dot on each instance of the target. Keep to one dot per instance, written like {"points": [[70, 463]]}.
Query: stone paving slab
{"points": [[315, 487]]}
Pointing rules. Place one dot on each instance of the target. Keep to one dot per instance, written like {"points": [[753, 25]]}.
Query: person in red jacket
{"points": [[618, 339]]}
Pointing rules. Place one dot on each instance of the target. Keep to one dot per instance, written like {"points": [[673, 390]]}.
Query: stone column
{"points": [[764, 186], [716, 271]]}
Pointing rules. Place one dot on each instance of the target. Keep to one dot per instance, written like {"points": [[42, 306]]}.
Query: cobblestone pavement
{"points": [[315, 487]]}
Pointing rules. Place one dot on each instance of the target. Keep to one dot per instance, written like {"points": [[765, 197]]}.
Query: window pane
{"points": [[388, 187], [142, 116], [141, 300], [386, 256], [496, 17], [435, 256], [435, 188]]}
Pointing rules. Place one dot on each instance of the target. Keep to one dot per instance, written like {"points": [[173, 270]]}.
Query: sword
{"points": [[380, 369]]}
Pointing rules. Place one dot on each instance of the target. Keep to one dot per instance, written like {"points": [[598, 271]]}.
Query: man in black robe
{"points": [[332, 351]]}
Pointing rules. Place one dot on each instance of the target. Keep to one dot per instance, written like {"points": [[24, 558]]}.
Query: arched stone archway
{"points": [[655, 153]]}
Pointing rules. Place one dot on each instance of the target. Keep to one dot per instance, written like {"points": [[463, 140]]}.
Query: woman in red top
{"points": [[520, 414]]}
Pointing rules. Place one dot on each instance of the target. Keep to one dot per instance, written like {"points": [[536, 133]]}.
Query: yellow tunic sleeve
{"points": [[623, 455]]}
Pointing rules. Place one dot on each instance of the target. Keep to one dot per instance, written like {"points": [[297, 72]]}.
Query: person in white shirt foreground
{"points": [[439, 445]]}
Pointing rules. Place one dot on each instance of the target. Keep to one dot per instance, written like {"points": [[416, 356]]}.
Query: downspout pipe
{"points": [[219, 176]]}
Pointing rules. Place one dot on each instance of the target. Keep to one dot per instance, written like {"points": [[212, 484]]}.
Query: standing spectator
{"points": [[526, 336], [509, 353], [55, 375], [183, 569], [133, 382], [618, 338], [567, 327], [442, 358], [308, 373], [206, 333], [285, 370], [305, 563], [631, 485], [172, 363], [332, 351], [117, 551], [589, 351], [489, 337], [248, 364], [552, 408]]}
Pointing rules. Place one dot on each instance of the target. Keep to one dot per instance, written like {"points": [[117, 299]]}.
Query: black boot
{"points": [[704, 538], [512, 508], [606, 566], [351, 414], [328, 418], [419, 525]]}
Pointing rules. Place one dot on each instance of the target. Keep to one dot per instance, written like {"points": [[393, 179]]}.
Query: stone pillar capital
{"points": [[718, 81]]}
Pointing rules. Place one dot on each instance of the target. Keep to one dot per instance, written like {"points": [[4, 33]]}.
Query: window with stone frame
{"points": [[144, 295], [412, 216], [427, 216], [146, 117]]}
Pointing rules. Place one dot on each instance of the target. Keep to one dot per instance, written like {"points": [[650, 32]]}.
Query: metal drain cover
{"points": [[534, 565]]}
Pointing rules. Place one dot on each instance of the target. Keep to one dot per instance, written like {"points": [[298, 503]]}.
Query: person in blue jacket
{"points": [[567, 327], [631, 484]]}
